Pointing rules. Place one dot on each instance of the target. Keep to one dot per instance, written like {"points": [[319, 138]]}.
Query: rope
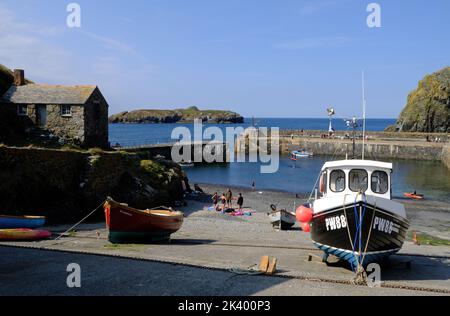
{"points": [[348, 232], [252, 270], [77, 224], [370, 232]]}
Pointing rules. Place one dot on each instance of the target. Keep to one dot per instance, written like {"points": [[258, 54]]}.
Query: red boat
{"points": [[130, 225], [414, 196]]}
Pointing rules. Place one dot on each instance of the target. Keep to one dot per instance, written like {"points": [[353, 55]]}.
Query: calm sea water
{"points": [[429, 178], [142, 134]]}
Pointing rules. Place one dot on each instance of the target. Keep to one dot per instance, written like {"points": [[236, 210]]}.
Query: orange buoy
{"points": [[304, 214], [306, 227]]}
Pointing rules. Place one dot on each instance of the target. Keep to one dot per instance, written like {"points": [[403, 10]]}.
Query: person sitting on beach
{"points": [[240, 201], [229, 197]]}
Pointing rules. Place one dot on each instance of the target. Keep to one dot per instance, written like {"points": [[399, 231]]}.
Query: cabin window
{"points": [[66, 110], [337, 181], [358, 180], [22, 110], [379, 182]]}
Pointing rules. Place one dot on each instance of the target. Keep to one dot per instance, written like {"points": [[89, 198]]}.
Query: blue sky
{"points": [[263, 58]]}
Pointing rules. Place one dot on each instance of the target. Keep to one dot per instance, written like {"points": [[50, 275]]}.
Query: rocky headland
{"points": [[176, 116]]}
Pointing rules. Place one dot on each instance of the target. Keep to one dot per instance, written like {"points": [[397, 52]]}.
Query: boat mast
{"points": [[364, 114]]}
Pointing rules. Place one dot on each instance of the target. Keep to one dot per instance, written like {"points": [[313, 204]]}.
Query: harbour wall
{"points": [[374, 148], [65, 185]]}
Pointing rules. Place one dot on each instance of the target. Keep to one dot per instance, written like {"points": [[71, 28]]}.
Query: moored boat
{"points": [[11, 222], [356, 219], [130, 225], [23, 234], [300, 154]]}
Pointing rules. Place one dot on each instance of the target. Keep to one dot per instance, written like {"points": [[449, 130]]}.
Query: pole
{"points": [[364, 114]]}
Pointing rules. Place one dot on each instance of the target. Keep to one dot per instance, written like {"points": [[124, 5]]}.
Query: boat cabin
{"points": [[353, 176]]}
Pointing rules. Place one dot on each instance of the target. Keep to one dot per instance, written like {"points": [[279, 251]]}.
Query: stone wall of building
{"points": [[96, 121], [66, 127]]}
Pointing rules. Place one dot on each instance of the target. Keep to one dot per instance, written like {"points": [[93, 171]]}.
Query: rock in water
{"points": [[428, 107]]}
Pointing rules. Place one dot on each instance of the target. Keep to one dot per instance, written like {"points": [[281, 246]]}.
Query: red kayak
{"points": [[23, 234], [414, 196]]}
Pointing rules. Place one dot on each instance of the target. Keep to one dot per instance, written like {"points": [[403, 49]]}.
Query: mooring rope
{"points": [[80, 222]]}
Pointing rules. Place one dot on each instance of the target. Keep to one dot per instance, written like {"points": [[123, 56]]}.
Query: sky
{"points": [[262, 58]]}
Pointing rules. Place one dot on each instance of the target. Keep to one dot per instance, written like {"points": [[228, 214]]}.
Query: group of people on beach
{"points": [[225, 201]]}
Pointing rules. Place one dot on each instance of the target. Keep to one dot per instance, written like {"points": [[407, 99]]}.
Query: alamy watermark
{"points": [[374, 18], [74, 17], [74, 278], [237, 145]]}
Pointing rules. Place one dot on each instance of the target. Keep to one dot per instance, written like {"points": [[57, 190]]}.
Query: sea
{"points": [[427, 177]]}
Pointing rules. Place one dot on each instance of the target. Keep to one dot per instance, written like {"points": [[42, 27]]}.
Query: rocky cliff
{"points": [[428, 107], [176, 116]]}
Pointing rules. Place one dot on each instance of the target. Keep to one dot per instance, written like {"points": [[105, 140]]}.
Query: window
{"points": [[358, 180], [66, 110], [337, 181], [379, 182], [22, 110]]}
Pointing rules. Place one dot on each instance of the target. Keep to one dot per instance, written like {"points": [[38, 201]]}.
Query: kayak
{"points": [[23, 234], [414, 196], [10, 222]]}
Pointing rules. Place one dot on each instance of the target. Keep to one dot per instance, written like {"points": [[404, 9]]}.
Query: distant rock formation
{"points": [[176, 116], [428, 107]]}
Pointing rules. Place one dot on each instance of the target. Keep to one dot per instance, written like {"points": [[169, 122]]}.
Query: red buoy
{"points": [[304, 214], [306, 227]]}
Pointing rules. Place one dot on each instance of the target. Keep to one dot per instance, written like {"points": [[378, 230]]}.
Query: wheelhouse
{"points": [[350, 177]]}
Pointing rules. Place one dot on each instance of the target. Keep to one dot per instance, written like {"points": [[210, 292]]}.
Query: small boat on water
{"points": [[11, 222], [130, 225], [23, 234], [282, 219], [414, 196], [300, 154]]}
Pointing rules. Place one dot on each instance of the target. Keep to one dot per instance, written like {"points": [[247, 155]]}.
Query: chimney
{"points": [[19, 77]]}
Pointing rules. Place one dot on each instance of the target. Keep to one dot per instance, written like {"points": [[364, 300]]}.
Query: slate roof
{"points": [[48, 94]]}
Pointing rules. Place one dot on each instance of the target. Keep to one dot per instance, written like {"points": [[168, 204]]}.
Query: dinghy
{"points": [[23, 234], [281, 219], [300, 154], [414, 196], [130, 225], [7, 222]]}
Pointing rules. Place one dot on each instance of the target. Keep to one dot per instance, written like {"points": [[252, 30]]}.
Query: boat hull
{"points": [[128, 225], [23, 234], [382, 233], [13, 222]]}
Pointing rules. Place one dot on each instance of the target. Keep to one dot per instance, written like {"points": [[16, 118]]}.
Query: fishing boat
{"points": [[23, 234], [130, 225], [281, 219], [300, 154], [356, 219], [414, 196], [10, 222]]}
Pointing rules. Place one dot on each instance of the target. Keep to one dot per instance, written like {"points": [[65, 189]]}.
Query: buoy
{"points": [[304, 214], [306, 227]]}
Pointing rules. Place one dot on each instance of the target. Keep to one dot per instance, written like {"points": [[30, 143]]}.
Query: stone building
{"points": [[74, 114]]}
